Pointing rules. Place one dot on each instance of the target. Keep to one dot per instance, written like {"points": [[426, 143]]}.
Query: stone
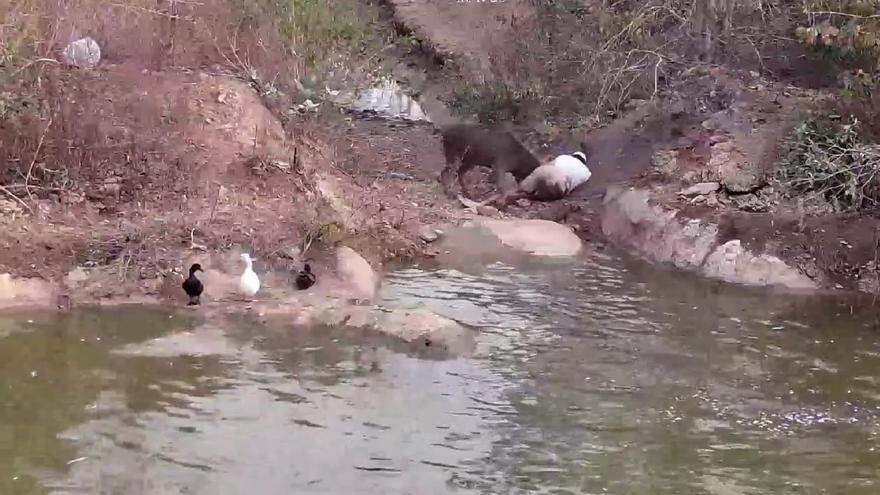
{"points": [[721, 121], [737, 173], [712, 200], [425, 329], [537, 237], [356, 273], [630, 219], [418, 327], [84, 53], [77, 276], [750, 203], [488, 211], [15, 291], [701, 189], [731, 262], [659, 235], [665, 162], [429, 234]]}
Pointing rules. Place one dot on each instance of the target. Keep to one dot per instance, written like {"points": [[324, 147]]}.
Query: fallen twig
{"points": [[33, 62], [150, 11], [470, 205], [16, 198], [841, 14], [27, 178], [39, 188], [192, 242]]}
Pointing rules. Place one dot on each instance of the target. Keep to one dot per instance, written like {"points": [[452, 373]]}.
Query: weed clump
{"points": [[829, 159], [494, 103]]}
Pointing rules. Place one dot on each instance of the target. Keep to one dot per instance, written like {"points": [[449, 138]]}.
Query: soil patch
{"points": [[469, 32]]}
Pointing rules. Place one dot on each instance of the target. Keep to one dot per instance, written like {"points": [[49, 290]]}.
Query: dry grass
{"points": [[54, 126], [584, 60], [828, 160], [140, 141], [284, 39]]}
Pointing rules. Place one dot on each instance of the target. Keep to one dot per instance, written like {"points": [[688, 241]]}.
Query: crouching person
{"points": [[549, 182]]}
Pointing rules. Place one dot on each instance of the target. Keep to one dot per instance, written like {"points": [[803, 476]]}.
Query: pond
{"points": [[605, 376]]}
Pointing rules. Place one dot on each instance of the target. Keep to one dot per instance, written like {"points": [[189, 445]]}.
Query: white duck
{"points": [[249, 283]]}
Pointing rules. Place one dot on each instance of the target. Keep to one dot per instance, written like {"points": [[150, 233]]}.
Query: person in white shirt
{"points": [[551, 181]]}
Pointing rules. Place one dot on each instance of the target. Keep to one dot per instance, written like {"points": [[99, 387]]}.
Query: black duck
{"points": [[305, 278], [193, 286]]}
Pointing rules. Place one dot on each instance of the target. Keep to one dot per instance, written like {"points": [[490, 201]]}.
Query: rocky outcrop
{"points": [[537, 237], [701, 189], [736, 172], [429, 234], [84, 53], [25, 291], [418, 327], [660, 235], [422, 330], [732, 262], [356, 273]]}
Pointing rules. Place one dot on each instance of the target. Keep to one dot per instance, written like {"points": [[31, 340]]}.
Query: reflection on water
{"points": [[630, 381], [604, 377]]}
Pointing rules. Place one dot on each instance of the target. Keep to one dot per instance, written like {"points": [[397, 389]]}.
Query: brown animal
{"points": [[467, 146]]}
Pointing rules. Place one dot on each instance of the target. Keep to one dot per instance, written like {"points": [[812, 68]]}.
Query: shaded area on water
{"points": [[206, 409], [593, 377], [52, 370]]}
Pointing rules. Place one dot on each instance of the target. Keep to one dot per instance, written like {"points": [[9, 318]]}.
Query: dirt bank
{"points": [[127, 172], [721, 176], [712, 123], [186, 162]]}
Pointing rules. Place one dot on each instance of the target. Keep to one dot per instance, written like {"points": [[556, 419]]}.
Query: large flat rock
{"points": [[537, 237], [658, 234]]}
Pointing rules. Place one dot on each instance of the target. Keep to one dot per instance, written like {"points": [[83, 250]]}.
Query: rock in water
{"points": [[356, 272], [429, 234], [538, 237], [84, 53]]}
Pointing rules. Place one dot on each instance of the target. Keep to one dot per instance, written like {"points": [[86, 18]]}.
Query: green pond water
{"points": [[601, 377]]}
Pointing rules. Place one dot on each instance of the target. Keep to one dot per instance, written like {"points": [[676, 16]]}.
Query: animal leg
{"points": [[501, 200], [504, 181], [462, 184], [462, 171], [446, 178]]}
